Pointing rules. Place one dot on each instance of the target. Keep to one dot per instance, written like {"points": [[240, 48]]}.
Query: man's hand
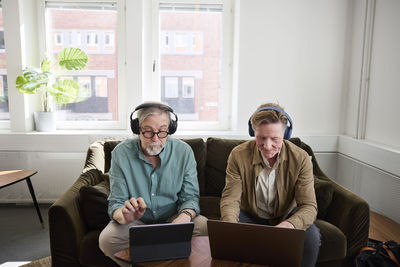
{"points": [[132, 210], [285, 224], [183, 217]]}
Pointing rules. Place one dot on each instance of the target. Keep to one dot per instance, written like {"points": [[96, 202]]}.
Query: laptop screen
{"points": [[155, 242], [260, 244]]}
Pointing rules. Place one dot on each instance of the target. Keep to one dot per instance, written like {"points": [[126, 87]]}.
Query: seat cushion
{"points": [[333, 242], [94, 204]]}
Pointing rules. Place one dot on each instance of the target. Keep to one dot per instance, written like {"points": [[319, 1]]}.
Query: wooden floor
{"points": [[383, 229]]}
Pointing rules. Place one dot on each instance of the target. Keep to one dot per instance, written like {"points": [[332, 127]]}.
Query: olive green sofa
{"points": [[78, 216]]}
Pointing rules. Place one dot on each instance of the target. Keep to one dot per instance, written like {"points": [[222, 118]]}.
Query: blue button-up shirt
{"points": [[166, 190]]}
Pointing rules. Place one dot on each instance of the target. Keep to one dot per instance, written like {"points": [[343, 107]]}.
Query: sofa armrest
{"points": [[350, 213], [66, 225]]}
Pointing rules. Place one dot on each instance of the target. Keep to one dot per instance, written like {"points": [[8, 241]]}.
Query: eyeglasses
{"points": [[150, 134]]}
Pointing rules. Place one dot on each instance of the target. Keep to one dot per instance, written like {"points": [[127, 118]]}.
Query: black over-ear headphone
{"points": [[289, 129], [173, 124]]}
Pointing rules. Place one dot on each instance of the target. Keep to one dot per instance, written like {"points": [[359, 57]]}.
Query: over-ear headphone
{"points": [[173, 124], [289, 129]]}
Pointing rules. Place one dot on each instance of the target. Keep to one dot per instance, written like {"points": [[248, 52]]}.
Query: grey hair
{"points": [[145, 112]]}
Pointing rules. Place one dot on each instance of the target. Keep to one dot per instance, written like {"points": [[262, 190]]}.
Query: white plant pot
{"points": [[45, 121]]}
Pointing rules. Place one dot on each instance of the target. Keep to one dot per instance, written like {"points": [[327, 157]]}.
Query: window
{"points": [[4, 107], [197, 42], [92, 39], [164, 42], [171, 87], [101, 87], [109, 39], [194, 53], [78, 39], [90, 26], [58, 39], [188, 87], [85, 90], [181, 42], [2, 46]]}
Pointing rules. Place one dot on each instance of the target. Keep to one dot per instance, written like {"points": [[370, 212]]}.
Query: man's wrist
{"points": [[188, 213]]}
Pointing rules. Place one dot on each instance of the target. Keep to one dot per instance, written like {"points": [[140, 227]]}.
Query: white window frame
{"points": [[121, 123], [225, 93]]}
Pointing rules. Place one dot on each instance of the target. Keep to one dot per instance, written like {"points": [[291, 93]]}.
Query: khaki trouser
{"points": [[115, 237]]}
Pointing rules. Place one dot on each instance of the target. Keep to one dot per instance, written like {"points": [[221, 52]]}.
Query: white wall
{"points": [[383, 122], [292, 52], [382, 87]]}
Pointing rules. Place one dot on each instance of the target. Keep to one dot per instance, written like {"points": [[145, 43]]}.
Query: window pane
{"points": [[171, 87], [193, 49], [101, 87], [86, 87], [93, 28], [4, 111], [188, 87]]}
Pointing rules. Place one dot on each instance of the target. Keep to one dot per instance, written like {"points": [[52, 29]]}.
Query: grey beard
{"points": [[153, 149]]}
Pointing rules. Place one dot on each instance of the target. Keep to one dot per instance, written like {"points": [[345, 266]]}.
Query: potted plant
{"points": [[48, 82]]}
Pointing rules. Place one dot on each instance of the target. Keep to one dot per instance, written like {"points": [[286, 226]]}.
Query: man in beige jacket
{"points": [[270, 181]]}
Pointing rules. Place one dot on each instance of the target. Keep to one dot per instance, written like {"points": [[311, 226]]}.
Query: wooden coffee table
{"points": [[11, 177], [199, 257]]}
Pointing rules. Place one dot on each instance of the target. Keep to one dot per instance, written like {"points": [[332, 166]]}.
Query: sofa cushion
{"points": [[323, 193], [218, 151], [94, 204], [108, 148], [199, 149]]}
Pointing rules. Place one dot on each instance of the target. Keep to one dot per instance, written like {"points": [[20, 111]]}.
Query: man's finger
{"points": [[141, 203], [134, 203], [129, 206]]}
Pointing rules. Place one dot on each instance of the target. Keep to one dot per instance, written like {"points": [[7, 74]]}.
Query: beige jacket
{"points": [[294, 182]]}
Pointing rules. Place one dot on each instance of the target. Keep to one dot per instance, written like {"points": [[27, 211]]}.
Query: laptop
{"points": [[155, 242], [254, 243]]}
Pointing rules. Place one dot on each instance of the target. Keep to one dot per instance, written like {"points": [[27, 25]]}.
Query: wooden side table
{"points": [[14, 176]]}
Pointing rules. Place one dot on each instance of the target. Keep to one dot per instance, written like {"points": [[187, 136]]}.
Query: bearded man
{"points": [[153, 179]]}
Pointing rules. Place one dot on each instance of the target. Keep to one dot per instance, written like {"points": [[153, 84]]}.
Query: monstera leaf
{"points": [[65, 91], [31, 80], [72, 58]]}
